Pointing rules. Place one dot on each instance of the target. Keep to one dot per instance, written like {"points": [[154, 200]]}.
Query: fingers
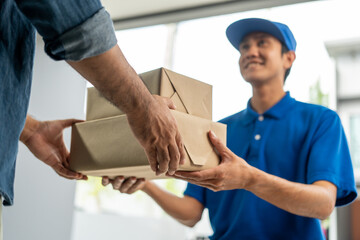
{"points": [[163, 160], [176, 153], [212, 184], [67, 159], [129, 185], [202, 175], [117, 183], [219, 146], [157, 132], [136, 186], [181, 148], [105, 181], [66, 173], [215, 141], [152, 157], [179, 152], [175, 158], [68, 122], [168, 159]]}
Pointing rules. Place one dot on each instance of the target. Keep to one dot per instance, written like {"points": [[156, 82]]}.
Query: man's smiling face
{"points": [[261, 59]]}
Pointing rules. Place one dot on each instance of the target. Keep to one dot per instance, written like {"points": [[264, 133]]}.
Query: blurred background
{"points": [[187, 37]]}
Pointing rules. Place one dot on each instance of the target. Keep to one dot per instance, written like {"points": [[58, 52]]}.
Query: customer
{"points": [[80, 32]]}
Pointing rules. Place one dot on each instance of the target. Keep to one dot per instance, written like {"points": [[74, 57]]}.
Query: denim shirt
{"points": [[71, 29]]}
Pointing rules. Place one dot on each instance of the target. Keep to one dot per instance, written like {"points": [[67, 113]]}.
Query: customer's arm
{"points": [[186, 210], [45, 141], [315, 200]]}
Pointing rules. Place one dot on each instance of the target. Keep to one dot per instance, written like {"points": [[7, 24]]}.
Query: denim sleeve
{"points": [[71, 29]]}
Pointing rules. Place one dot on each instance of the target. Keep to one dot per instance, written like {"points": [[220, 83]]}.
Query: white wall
{"points": [[43, 208]]}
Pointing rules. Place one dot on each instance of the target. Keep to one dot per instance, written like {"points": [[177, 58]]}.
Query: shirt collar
{"points": [[276, 111]]}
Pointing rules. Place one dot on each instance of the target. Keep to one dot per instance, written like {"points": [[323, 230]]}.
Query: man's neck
{"points": [[264, 97]]}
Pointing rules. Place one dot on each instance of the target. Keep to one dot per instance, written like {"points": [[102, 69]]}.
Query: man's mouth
{"points": [[250, 64]]}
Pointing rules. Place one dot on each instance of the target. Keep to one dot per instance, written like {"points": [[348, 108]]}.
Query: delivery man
{"points": [[286, 164]]}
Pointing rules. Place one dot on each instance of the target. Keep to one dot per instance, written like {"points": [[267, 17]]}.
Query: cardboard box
{"points": [[189, 95], [107, 147]]}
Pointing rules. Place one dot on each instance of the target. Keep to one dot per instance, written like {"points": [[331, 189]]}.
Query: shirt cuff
{"points": [[94, 36]]}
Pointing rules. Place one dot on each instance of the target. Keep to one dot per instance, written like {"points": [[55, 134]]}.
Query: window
{"points": [[355, 141], [347, 61]]}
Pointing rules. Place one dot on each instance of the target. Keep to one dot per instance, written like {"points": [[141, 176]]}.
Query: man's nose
{"points": [[252, 51]]}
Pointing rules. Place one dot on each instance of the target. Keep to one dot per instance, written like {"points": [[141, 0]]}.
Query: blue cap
{"points": [[239, 29]]}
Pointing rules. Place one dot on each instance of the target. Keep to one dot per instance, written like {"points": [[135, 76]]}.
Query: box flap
{"points": [[189, 95], [158, 82], [196, 141], [196, 96], [96, 145], [149, 78]]}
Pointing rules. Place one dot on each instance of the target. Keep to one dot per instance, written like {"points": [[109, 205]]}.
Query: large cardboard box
{"points": [[189, 95], [106, 146]]}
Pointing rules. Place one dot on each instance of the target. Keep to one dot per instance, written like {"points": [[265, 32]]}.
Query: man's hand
{"points": [[149, 117], [129, 185], [157, 132], [45, 141], [233, 172]]}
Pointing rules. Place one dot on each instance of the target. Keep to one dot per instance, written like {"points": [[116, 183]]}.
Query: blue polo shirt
{"points": [[296, 141]]}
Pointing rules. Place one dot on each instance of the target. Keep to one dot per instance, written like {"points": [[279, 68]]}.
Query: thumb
{"points": [[69, 174], [218, 145], [68, 122]]}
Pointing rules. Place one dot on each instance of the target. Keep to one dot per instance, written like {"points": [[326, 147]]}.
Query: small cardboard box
{"points": [[189, 95], [107, 147]]}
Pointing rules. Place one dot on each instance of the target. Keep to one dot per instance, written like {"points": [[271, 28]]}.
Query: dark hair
{"points": [[284, 49]]}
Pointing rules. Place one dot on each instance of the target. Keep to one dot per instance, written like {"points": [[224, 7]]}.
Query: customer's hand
{"points": [[156, 130], [45, 141], [233, 172], [125, 185]]}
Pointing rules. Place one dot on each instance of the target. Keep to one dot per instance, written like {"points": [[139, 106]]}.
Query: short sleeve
{"points": [[196, 192], [329, 158]]}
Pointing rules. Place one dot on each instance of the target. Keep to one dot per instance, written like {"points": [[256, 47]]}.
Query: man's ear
{"points": [[289, 58]]}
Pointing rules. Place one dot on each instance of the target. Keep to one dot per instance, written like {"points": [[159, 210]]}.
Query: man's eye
{"points": [[244, 47], [261, 42]]}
